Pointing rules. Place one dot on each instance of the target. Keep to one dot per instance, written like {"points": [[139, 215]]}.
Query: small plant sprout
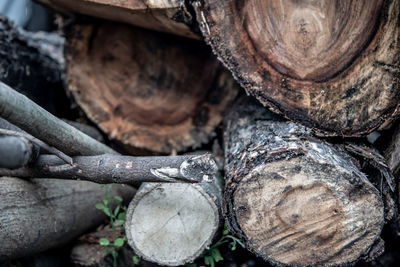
{"points": [[117, 220], [213, 255]]}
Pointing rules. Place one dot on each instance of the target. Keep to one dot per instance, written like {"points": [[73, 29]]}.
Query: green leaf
{"points": [[119, 242], [116, 211], [107, 211], [135, 260], [121, 216], [118, 199], [216, 255], [225, 232], [233, 245], [209, 260], [104, 241], [100, 206], [105, 202]]}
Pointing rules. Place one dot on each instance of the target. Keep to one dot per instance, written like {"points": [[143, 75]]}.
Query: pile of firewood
{"points": [[303, 170]]}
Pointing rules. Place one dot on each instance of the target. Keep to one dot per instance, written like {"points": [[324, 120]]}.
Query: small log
{"points": [[19, 110], [170, 16], [107, 168], [331, 65], [138, 93], [33, 65], [172, 224], [293, 199], [40, 214], [16, 152]]}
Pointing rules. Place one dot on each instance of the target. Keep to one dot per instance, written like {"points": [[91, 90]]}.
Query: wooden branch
{"points": [[293, 199], [332, 65], [40, 214], [170, 16], [138, 93], [107, 168], [172, 224], [16, 152], [19, 110]]}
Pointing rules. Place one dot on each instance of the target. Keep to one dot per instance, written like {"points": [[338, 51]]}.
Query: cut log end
{"points": [[332, 65], [172, 224], [301, 212], [159, 93], [293, 199]]}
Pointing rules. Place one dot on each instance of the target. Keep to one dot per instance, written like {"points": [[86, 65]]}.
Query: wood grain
{"points": [[293, 199], [331, 65], [149, 91]]}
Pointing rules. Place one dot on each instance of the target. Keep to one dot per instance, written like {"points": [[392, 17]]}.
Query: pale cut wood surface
{"points": [[173, 224]]}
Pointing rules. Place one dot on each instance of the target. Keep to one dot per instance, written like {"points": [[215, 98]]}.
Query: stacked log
{"points": [[332, 65], [293, 199], [160, 93], [172, 224]]}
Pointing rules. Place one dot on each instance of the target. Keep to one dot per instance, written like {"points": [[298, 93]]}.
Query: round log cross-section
{"points": [[172, 224], [147, 90], [331, 65], [295, 200]]}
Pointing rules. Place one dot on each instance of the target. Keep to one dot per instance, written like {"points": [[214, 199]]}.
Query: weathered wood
{"points": [[293, 199], [160, 93], [16, 152], [43, 213], [107, 168], [170, 16], [172, 224], [19, 110], [331, 65], [32, 65]]}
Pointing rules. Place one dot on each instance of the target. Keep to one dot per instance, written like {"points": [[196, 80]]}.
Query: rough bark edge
{"points": [[224, 55]]}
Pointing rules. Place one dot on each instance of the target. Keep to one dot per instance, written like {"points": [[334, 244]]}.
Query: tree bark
{"points": [[172, 16], [33, 65], [158, 94], [107, 169], [172, 224], [40, 214], [19, 110], [293, 199], [333, 66]]}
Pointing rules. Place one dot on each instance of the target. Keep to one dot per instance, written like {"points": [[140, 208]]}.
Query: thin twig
{"points": [[40, 143]]}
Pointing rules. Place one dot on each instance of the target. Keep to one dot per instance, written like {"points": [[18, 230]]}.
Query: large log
{"points": [[172, 224], [33, 65], [331, 65], [43, 213], [293, 199], [170, 16], [147, 90]]}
